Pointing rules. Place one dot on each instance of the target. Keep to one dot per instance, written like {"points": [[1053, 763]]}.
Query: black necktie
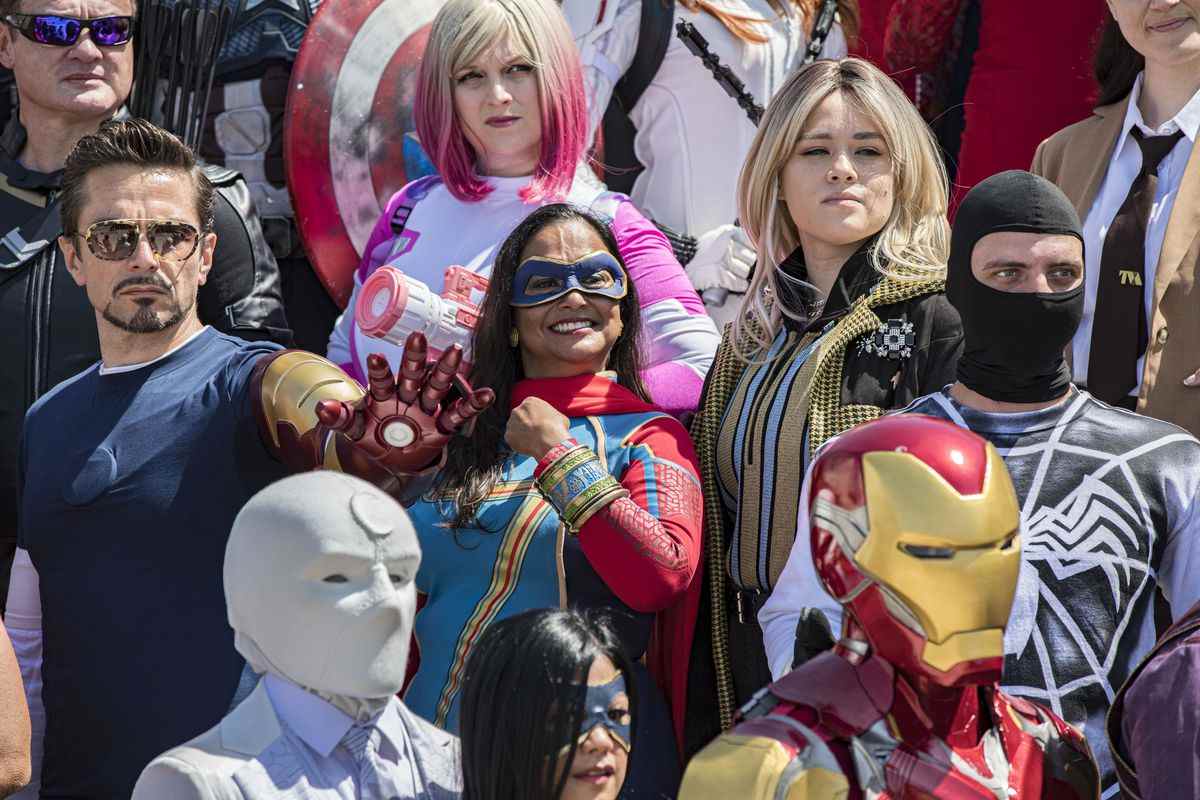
{"points": [[1119, 329]]}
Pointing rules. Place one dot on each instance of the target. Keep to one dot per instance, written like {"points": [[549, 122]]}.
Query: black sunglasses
{"points": [[60, 31], [117, 239]]}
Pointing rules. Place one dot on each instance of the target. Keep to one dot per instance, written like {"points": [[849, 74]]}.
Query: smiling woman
{"points": [[572, 490]]}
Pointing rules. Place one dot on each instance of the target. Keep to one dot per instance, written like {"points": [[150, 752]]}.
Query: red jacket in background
{"points": [[1031, 74]]}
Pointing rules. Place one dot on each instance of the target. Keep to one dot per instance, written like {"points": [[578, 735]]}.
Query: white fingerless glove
{"points": [[723, 260]]}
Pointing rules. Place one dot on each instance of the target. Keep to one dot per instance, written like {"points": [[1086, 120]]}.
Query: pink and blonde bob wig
{"points": [[464, 30]]}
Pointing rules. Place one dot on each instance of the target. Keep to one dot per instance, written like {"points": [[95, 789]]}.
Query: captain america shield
{"points": [[349, 115]]}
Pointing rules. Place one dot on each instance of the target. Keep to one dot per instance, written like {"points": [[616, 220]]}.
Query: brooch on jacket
{"points": [[894, 339]]}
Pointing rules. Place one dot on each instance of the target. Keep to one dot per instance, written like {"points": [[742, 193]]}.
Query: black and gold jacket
{"points": [[877, 343]]}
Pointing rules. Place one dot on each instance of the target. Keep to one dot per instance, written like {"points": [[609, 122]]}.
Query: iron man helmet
{"points": [[914, 526]]}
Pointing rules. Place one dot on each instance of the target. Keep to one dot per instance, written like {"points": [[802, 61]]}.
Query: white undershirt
{"points": [[131, 367], [1123, 169]]}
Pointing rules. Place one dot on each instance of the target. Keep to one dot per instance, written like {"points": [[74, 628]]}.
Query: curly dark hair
{"points": [[474, 463]]}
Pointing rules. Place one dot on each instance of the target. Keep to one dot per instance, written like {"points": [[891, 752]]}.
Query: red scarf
{"points": [[581, 395]]}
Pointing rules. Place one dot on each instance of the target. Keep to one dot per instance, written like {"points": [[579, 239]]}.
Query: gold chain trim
{"points": [[722, 380], [826, 418]]}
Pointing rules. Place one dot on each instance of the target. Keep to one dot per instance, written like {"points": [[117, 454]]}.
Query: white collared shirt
{"points": [[1123, 169], [320, 727]]}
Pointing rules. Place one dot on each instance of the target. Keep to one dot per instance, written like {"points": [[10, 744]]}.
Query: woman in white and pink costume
{"points": [[501, 110]]}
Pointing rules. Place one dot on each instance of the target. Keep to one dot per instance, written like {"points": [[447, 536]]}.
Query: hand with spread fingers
{"points": [[401, 425]]}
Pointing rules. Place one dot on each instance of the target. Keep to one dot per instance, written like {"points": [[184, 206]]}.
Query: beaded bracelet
{"points": [[576, 483]]}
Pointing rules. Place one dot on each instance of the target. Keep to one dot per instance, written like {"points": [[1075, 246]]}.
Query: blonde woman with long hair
{"points": [[844, 197]]}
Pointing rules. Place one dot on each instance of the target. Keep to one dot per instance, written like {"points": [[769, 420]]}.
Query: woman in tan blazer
{"points": [[1148, 67]]}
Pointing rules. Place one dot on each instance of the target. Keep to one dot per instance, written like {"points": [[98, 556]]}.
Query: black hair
{"points": [[1115, 64], [473, 464], [135, 143], [522, 700]]}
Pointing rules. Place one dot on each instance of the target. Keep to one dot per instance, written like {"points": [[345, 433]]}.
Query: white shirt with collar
{"points": [[1123, 168], [321, 727]]}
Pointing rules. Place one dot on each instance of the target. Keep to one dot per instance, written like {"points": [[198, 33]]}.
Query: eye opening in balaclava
{"points": [[1014, 343]]}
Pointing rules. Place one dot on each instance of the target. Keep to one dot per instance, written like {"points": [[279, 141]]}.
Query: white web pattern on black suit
{"points": [[1097, 519], [1096, 526]]}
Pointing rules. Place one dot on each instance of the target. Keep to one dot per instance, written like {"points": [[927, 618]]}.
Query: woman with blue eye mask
{"points": [[547, 710], [573, 490]]}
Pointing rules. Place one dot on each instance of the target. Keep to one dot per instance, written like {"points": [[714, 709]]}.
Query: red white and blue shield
{"points": [[348, 138]]}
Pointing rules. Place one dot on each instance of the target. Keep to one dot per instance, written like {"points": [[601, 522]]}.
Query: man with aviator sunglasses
{"points": [[73, 62], [133, 470]]}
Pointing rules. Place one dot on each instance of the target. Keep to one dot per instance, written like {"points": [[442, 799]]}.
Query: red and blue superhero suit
{"points": [[914, 527], [637, 555]]}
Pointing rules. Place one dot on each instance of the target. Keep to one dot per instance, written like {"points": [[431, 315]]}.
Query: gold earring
{"points": [[514, 338]]}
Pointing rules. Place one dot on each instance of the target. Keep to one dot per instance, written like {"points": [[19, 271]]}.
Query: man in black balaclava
{"points": [[1110, 500], [1016, 279]]}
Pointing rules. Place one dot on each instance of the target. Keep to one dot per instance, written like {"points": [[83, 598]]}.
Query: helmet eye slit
{"points": [[926, 551]]}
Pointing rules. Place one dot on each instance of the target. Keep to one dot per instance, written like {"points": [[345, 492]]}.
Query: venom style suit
{"points": [[914, 526]]}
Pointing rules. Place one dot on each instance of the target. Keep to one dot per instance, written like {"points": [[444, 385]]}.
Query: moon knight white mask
{"points": [[319, 572]]}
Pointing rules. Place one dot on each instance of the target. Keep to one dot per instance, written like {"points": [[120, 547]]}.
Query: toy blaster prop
{"points": [[392, 305]]}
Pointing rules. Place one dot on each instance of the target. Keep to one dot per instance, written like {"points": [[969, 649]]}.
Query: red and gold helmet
{"points": [[914, 526]]}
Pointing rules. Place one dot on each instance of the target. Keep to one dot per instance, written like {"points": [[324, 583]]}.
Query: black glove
{"points": [[813, 636]]}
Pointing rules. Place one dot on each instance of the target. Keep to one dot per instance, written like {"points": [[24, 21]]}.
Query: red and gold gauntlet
{"points": [[314, 416]]}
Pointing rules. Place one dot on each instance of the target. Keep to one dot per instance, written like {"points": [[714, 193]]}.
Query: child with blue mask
{"points": [[547, 710], [606, 705]]}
